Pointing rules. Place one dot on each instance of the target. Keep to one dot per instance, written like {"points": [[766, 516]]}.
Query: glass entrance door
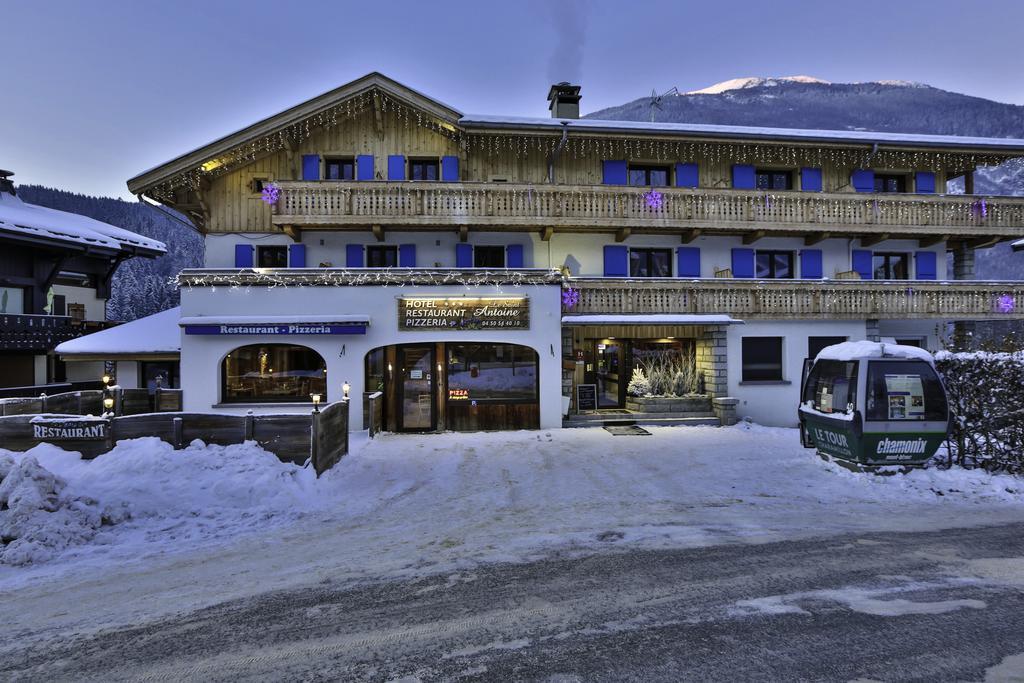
{"points": [[610, 374], [416, 388]]}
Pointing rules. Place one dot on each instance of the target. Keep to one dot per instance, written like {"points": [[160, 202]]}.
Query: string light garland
{"points": [[272, 278]]}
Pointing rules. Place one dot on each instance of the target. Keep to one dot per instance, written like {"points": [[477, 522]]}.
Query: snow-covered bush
{"points": [[986, 399], [638, 383]]}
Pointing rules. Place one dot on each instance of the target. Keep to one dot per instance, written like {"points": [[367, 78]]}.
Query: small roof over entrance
{"points": [[155, 337]]}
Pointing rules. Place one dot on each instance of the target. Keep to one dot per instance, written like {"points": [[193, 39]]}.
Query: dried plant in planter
{"points": [[668, 372]]}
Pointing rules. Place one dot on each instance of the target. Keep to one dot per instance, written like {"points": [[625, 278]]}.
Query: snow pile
{"points": [[38, 517], [52, 499], [853, 350]]}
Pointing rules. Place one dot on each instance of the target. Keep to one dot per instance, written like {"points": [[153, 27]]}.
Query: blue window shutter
{"points": [[743, 177], [463, 255], [243, 255], [925, 182], [613, 172], [810, 264], [810, 179], [311, 167], [396, 167], [688, 262], [743, 263], [353, 256], [407, 256], [687, 175], [926, 266], [364, 167], [296, 255], [514, 256], [616, 261], [450, 169], [861, 262], [863, 180]]}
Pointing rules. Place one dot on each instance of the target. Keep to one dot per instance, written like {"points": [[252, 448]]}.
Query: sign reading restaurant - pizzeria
{"points": [[464, 313]]}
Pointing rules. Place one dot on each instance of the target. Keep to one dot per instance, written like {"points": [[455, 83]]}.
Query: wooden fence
{"points": [[126, 402], [321, 437], [374, 413]]}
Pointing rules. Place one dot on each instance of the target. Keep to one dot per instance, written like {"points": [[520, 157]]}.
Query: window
{"points": [[650, 263], [381, 256], [832, 386], [762, 359], [272, 257], [492, 372], [375, 370], [774, 264], [423, 169], [816, 344], [339, 169], [164, 371], [488, 257], [904, 390], [273, 373], [256, 185], [655, 176], [60, 305], [890, 266], [767, 179], [911, 341], [890, 183], [12, 300]]}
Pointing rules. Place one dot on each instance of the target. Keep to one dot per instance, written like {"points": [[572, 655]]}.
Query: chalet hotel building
{"points": [[500, 272]]}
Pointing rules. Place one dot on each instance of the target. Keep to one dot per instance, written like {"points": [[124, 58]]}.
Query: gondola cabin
{"points": [[874, 404]]}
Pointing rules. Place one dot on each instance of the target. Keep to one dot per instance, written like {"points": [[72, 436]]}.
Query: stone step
{"points": [[626, 416], [655, 420]]}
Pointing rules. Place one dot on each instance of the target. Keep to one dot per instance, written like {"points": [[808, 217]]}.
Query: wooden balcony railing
{"points": [[795, 299], [504, 205]]}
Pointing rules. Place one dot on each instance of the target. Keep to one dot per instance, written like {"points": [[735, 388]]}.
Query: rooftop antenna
{"points": [[656, 99]]}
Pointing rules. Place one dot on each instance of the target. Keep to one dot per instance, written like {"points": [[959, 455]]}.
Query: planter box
{"points": [[669, 404]]}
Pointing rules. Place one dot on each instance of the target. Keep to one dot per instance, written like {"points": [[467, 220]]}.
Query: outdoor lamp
{"points": [[106, 379], [108, 404], [316, 402], [345, 388]]}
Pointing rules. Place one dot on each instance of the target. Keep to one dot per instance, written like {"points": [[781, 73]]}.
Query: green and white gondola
{"points": [[874, 404]]}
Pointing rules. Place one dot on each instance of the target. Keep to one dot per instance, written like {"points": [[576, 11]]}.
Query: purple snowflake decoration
{"points": [[570, 297], [980, 209], [1005, 304], [654, 200], [271, 193]]}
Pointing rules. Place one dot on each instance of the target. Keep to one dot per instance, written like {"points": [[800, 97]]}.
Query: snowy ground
{"points": [[190, 528]]}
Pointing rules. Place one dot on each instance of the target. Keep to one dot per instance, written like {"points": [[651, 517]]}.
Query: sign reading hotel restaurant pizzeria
{"points": [[82, 429], [464, 313]]}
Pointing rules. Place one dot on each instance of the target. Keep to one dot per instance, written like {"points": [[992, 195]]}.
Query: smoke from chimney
{"points": [[569, 23]]}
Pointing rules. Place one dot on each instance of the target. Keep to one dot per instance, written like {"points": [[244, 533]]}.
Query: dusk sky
{"points": [[96, 92]]}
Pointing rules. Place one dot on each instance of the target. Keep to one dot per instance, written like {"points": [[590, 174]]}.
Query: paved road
{"points": [[925, 606]]}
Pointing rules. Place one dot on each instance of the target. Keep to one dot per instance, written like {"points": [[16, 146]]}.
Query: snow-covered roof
{"points": [[274, 319], [1018, 245], [21, 218], [154, 335], [855, 350], [741, 132], [649, 319]]}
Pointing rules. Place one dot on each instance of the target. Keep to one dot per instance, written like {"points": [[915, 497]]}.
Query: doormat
{"points": [[627, 430]]}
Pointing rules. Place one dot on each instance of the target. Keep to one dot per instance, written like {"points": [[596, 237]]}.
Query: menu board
{"points": [[906, 397], [586, 397]]}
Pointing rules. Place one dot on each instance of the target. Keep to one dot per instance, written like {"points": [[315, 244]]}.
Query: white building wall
{"points": [[95, 307], [776, 403], [583, 253], [201, 355], [84, 371], [127, 374]]}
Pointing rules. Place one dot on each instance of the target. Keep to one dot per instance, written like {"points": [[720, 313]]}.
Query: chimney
{"points": [[564, 101], [6, 184]]}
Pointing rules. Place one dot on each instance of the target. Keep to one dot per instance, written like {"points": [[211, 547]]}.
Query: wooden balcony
{"points": [[30, 332], [802, 299], [580, 208]]}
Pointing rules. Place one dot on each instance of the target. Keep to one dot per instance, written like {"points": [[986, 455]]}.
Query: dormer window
{"points": [[648, 175], [340, 169], [890, 182], [771, 179], [424, 169]]}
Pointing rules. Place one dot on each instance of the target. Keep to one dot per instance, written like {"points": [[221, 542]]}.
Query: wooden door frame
{"points": [[399, 388]]}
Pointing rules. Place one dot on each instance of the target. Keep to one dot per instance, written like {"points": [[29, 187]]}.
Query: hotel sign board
{"points": [[463, 313]]}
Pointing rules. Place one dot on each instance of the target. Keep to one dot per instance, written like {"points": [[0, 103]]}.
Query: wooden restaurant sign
{"points": [[464, 313]]}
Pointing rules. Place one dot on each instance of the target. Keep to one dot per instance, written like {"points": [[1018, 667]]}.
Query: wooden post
{"points": [[118, 398], [178, 428], [250, 423], [347, 416], [314, 433], [42, 402]]}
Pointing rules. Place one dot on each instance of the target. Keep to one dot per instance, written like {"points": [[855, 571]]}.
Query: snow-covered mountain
{"points": [[891, 106]]}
